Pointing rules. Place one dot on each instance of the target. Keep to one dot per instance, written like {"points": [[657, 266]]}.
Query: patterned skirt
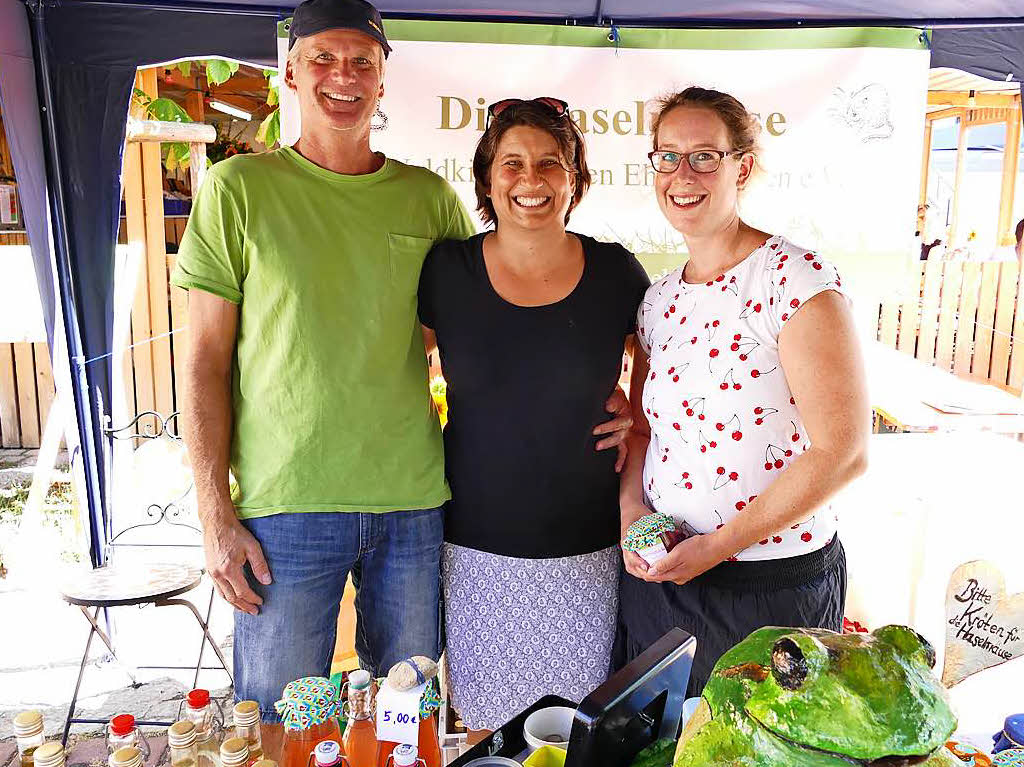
{"points": [[519, 629]]}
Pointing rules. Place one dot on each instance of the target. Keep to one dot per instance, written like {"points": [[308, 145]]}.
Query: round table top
{"points": [[129, 584]]}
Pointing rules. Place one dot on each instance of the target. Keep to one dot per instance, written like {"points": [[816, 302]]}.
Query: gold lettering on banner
{"points": [[458, 113]]}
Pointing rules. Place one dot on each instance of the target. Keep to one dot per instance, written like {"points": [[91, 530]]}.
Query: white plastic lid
{"points": [[359, 679], [404, 755], [327, 752]]}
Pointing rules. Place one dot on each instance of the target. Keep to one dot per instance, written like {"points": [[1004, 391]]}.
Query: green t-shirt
{"points": [[332, 410]]}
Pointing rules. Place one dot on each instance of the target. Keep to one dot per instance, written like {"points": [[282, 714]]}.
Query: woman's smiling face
{"points": [[698, 204], [530, 188]]}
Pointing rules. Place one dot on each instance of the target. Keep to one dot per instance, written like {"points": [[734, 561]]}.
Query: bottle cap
{"points": [[359, 679], [122, 724], [129, 756], [246, 713], [49, 755], [181, 734], [327, 753], [198, 698], [234, 751], [28, 723], [404, 755]]}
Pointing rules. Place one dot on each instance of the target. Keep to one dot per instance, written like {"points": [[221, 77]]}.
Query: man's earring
{"points": [[382, 120]]}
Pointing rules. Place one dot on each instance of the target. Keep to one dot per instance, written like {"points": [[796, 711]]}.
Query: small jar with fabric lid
{"points": [[1011, 736], [50, 755], [309, 711], [28, 729], [129, 756]]}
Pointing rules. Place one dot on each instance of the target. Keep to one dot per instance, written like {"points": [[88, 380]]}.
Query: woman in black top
{"points": [[531, 322]]}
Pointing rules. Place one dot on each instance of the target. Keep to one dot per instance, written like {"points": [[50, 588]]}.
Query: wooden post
{"points": [[10, 431], [961, 167], [28, 404], [922, 198], [1011, 159], [156, 263]]}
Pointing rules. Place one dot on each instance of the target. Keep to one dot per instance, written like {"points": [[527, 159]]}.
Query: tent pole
{"points": [[84, 415]]}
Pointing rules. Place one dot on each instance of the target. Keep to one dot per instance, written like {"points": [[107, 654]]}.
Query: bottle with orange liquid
{"points": [[428, 749], [308, 709], [360, 738]]}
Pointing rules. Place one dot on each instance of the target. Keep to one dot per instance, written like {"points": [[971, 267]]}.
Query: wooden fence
{"points": [[965, 319]]}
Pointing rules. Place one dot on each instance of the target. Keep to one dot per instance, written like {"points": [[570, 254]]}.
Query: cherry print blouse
{"points": [[723, 420]]}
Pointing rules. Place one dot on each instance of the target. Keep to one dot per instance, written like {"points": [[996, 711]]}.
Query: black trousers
{"points": [[724, 605]]}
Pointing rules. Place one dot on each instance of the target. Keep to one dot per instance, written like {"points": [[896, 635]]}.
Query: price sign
{"points": [[398, 714]]}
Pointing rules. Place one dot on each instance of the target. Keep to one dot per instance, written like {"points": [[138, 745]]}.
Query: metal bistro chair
{"points": [[158, 584]]}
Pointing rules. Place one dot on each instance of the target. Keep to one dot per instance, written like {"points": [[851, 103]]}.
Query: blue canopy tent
{"points": [[66, 74]]}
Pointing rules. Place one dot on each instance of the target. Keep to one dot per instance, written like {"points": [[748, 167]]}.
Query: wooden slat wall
{"points": [[26, 378], [969, 321]]}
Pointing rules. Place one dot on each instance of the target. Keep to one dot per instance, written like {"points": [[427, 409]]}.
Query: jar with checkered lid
{"points": [[309, 711]]}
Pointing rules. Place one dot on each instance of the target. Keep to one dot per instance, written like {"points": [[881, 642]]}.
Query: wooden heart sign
{"points": [[984, 626]]}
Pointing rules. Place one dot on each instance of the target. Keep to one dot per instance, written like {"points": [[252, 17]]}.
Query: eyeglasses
{"points": [[559, 107], [702, 161]]}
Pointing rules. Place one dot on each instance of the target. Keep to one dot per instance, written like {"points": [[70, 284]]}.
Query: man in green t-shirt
{"points": [[307, 375]]}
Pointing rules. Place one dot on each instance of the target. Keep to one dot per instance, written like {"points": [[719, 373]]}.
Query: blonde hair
{"points": [[743, 127]]}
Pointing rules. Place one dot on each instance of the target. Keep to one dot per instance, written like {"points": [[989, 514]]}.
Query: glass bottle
{"points": [[28, 727], [428, 747], [199, 711], [309, 710], [404, 755], [128, 756], [121, 732], [360, 737], [246, 714], [181, 739], [234, 752], [50, 755]]}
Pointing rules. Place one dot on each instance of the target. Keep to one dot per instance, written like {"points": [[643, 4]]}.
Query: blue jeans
{"points": [[394, 559]]}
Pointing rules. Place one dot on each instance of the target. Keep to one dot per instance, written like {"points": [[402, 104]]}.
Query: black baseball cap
{"points": [[314, 16]]}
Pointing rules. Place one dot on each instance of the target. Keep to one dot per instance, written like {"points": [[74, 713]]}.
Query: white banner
{"points": [[842, 128]]}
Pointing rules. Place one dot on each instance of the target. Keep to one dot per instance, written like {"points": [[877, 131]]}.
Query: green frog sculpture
{"points": [[813, 698]]}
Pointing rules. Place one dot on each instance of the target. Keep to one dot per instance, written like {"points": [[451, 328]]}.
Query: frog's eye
{"points": [[789, 666], [908, 642]]}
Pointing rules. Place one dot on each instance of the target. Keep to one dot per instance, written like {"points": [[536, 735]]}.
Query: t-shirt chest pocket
{"points": [[405, 260]]}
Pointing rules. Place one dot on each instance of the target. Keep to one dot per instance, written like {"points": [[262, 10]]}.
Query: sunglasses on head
{"points": [[557, 106]]}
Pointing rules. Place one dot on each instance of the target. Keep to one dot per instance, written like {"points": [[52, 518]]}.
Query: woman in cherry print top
{"points": [[749, 404]]}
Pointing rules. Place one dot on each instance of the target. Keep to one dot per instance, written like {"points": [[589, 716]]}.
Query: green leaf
{"points": [[269, 132], [141, 97], [233, 66], [218, 71], [185, 67], [167, 110], [272, 98], [268, 73], [177, 155]]}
